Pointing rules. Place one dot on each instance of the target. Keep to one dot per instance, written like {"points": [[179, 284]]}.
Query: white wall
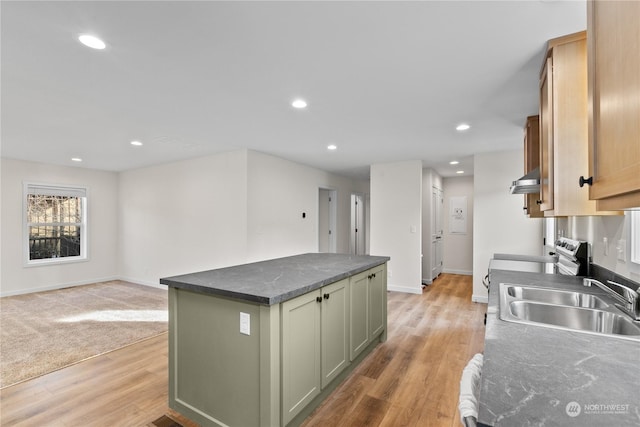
{"points": [[279, 191], [396, 221], [183, 217], [176, 218], [499, 225], [222, 210], [102, 207], [458, 248]]}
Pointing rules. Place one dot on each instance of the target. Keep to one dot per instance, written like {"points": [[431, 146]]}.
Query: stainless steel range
{"points": [[574, 257]]}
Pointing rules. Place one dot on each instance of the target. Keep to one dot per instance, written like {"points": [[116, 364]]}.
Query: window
{"points": [[635, 236], [55, 224]]}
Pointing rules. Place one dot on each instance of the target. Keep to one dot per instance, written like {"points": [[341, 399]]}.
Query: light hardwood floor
{"points": [[411, 380]]}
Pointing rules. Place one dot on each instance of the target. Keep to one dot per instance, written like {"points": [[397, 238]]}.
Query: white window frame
{"points": [[58, 190], [635, 236]]}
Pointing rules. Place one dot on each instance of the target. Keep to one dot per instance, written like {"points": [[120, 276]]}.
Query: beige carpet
{"points": [[45, 331]]}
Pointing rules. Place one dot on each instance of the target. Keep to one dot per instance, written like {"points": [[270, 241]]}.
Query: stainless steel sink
{"points": [[553, 296], [582, 319], [566, 310]]}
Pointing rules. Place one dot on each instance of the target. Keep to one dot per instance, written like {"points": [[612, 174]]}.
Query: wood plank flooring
{"points": [[411, 380]]}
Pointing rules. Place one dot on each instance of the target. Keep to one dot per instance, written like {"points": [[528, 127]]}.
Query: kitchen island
{"points": [[534, 375], [262, 344]]}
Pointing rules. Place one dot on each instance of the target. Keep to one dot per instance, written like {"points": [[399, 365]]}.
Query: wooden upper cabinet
{"points": [[564, 154], [531, 162], [614, 100], [546, 136]]}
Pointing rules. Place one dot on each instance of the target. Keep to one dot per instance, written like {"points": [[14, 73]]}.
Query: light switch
{"points": [[245, 323]]}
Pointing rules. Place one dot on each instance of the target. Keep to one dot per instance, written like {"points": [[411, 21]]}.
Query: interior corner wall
{"points": [[499, 225], [102, 203], [279, 193], [396, 222], [183, 217], [458, 247]]}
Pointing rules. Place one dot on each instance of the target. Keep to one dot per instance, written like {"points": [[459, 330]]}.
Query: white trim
{"points": [[59, 286], [481, 299], [404, 289], [635, 236], [454, 271], [143, 282]]}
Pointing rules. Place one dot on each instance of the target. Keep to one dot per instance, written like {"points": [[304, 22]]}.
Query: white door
{"points": [[357, 225], [326, 220], [436, 232]]}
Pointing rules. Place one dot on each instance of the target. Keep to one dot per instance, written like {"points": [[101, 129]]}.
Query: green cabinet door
{"points": [[358, 313], [300, 353], [334, 344], [377, 300]]}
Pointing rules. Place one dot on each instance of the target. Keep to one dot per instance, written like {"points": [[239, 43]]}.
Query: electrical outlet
{"points": [[245, 323], [605, 242], [388, 273]]}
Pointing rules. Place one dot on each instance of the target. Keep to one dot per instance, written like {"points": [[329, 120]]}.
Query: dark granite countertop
{"points": [[277, 280], [537, 376]]}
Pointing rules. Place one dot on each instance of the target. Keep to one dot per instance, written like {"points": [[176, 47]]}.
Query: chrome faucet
{"points": [[628, 298]]}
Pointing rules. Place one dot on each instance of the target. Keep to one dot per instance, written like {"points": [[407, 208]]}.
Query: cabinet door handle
{"points": [[318, 299], [583, 181], [538, 202], [369, 276], [374, 275], [326, 296]]}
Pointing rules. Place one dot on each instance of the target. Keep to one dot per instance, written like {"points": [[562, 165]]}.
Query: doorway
{"points": [[327, 220], [437, 203], [358, 232]]}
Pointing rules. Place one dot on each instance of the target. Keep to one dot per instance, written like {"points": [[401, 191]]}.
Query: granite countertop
{"points": [[277, 280], [537, 376]]}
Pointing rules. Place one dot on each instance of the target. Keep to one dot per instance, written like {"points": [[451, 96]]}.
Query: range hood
{"points": [[530, 183]]}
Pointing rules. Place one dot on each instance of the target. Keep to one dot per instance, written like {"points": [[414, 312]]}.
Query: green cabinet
{"points": [[377, 301], [275, 368], [334, 330], [300, 352], [314, 344], [358, 313], [367, 308]]}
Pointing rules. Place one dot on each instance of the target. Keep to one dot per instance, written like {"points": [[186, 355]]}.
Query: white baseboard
{"points": [[454, 271], [58, 286], [480, 298], [143, 282], [404, 289]]}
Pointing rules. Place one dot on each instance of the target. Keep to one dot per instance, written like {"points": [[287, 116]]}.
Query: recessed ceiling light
{"points": [[136, 143], [332, 147], [299, 103], [459, 171], [462, 127], [76, 159], [454, 162], [92, 41]]}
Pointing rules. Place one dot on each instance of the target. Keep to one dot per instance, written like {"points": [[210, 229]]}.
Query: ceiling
{"points": [[384, 81]]}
